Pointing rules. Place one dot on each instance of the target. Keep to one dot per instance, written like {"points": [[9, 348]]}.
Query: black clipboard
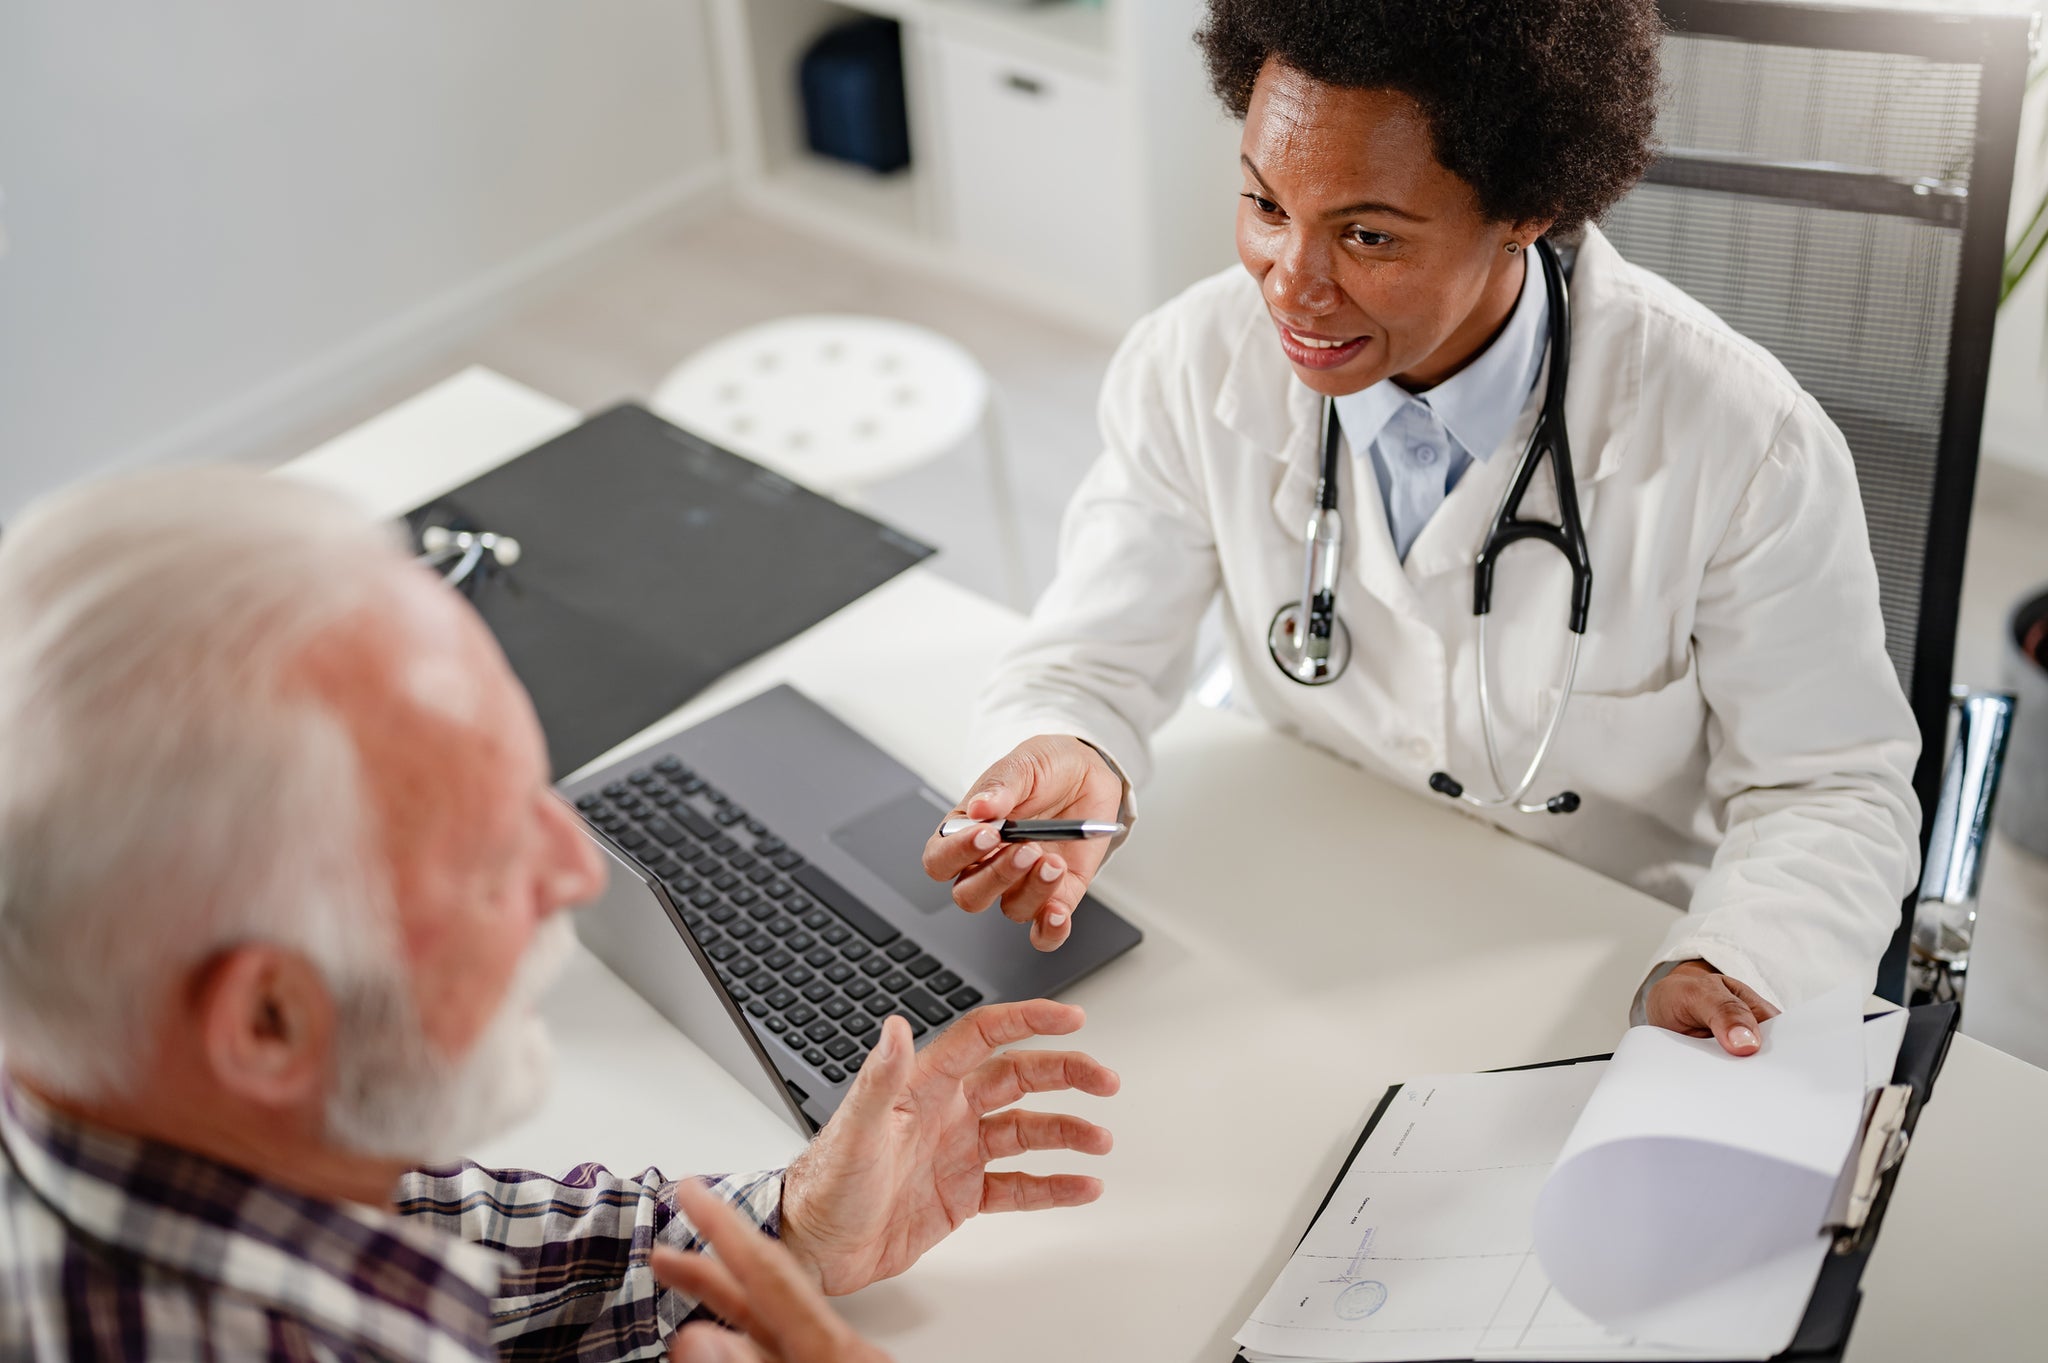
{"points": [[652, 563], [1824, 1330]]}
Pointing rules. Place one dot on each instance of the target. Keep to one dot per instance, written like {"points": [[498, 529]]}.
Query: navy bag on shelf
{"points": [[852, 84]]}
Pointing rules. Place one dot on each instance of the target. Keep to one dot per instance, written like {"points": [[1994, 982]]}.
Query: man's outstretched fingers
{"points": [[1016, 1131], [702, 1342], [1010, 1192], [787, 1309], [705, 1279], [959, 1050], [1005, 1079]]}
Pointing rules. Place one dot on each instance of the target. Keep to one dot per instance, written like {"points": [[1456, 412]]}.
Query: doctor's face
{"points": [[1374, 260]]}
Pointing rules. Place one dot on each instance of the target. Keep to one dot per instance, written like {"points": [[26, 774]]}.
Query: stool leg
{"points": [[1009, 520]]}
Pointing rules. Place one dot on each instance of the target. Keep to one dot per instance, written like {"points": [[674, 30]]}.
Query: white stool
{"points": [[840, 403]]}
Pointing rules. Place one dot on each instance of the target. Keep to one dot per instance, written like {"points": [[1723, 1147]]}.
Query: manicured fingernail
{"points": [[1049, 872], [1026, 856], [1053, 920], [986, 839], [1742, 1037]]}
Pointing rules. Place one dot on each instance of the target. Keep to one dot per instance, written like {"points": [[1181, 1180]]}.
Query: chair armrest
{"points": [[1946, 916]]}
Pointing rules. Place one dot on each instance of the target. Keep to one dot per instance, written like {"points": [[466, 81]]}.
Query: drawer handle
{"points": [[1023, 84]]}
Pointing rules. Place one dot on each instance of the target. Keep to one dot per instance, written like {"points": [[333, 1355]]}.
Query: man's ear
{"points": [[268, 1024]]}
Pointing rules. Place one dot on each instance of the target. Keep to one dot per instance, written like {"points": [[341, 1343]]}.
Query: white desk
{"points": [[1255, 1027]]}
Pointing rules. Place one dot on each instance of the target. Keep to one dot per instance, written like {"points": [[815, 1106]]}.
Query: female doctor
{"points": [[1735, 741]]}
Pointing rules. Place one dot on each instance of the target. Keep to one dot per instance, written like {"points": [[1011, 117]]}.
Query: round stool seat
{"points": [[833, 402]]}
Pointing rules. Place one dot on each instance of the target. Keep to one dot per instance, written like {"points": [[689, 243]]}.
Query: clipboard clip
{"points": [[1878, 1153]]}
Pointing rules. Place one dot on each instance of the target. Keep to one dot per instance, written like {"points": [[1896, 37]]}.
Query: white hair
{"points": [[165, 792]]}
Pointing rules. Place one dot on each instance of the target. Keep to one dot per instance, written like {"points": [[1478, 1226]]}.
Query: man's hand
{"points": [[1053, 776], [1698, 1000], [757, 1288], [905, 1159]]}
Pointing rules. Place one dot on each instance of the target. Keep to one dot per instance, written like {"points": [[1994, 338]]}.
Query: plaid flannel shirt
{"points": [[116, 1248]]}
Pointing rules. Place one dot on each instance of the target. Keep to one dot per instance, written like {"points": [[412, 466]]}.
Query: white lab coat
{"points": [[1736, 731]]}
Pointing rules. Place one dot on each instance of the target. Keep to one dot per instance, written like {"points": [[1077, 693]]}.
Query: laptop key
{"points": [[789, 861], [895, 981], [729, 816], [832, 1072], [706, 899], [922, 966], [835, 1008], [745, 965], [903, 949], [859, 989], [691, 785], [816, 1056], [837, 898], [760, 875], [839, 1047], [695, 822], [821, 1031], [781, 927], [778, 960], [881, 1005], [926, 1007], [742, 861], [874, 965], [761, 944], [722, 951], [683, 883], [743, 929], [945, 982], [820, 959], [664, 832], [797, 978], [724, 913], [801, 1014], [862, 1027], [590, 804], [964, 998], [761, 913], [855, 949], [769, 846], [781, 997], [801, 941], [759, 1008], [836, 933], [744, 895], [839, 972], [777, 889], [818, 992], [632, 839], [778, 1025], [724, 846], [726, 881], [815, 918]]}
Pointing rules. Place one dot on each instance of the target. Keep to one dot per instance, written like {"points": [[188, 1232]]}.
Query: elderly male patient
{"points": [[280, 882]]}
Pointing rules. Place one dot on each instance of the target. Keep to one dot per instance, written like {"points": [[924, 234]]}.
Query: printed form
{"points": [[1542, 1213]]}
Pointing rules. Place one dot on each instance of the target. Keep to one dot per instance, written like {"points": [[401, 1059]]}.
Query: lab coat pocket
{"points": [[1642, 746]]}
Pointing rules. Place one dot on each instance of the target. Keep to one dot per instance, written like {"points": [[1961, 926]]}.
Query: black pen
{"points": [[1038, 830]]}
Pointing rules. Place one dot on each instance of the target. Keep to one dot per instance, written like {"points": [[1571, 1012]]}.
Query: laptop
{"points": [[780, 850]]}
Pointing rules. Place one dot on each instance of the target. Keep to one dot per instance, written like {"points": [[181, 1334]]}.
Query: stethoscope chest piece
{"points": [[1308, 660]]}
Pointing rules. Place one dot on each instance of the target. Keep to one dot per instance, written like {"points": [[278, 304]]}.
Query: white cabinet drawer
{"points": [[1036, 180]]}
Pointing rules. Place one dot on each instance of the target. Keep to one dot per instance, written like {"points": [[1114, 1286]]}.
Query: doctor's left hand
{"points": [[1698, 1000]]}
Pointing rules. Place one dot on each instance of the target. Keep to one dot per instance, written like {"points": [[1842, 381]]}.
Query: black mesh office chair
{"points": [[1834, 182]]}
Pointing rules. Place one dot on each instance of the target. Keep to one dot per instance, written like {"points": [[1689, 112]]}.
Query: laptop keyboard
{"points": [[814, 967]]}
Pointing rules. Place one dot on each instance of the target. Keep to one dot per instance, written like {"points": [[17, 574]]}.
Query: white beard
{"points": [[396, 1097]]}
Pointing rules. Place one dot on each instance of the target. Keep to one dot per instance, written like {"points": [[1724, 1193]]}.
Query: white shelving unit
{"points": [[1066, 155]]}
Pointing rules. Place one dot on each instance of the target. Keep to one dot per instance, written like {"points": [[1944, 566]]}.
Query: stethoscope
{"points": [[1310, 644]]}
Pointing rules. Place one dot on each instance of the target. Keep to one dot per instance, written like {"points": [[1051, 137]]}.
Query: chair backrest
{"points": [[1834, 182]]}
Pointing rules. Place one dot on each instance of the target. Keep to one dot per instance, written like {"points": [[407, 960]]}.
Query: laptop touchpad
{"points": [[890, 840]]}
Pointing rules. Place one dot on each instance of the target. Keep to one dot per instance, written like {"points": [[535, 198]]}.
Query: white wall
{"points": [[225, 215]]}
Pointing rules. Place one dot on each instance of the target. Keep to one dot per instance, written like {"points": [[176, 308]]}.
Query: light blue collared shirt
{"points": [[1420, 444]]}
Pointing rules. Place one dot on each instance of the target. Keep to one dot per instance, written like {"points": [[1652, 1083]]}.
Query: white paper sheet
{"points": [[1428, 1248], [1686, 1208]]}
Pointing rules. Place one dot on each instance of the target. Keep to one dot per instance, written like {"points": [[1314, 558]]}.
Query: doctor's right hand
{"points": [[1053, 776]]}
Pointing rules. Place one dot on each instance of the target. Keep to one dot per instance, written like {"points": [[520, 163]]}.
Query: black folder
{"points": [[1824, 1330], [651, 563]]}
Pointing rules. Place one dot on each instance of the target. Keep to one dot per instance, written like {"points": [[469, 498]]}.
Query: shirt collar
{"points": [[1478, 405], [402, 1289]]}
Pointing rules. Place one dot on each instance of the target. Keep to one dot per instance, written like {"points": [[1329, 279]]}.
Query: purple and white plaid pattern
{"points": [[114, 1248]]}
